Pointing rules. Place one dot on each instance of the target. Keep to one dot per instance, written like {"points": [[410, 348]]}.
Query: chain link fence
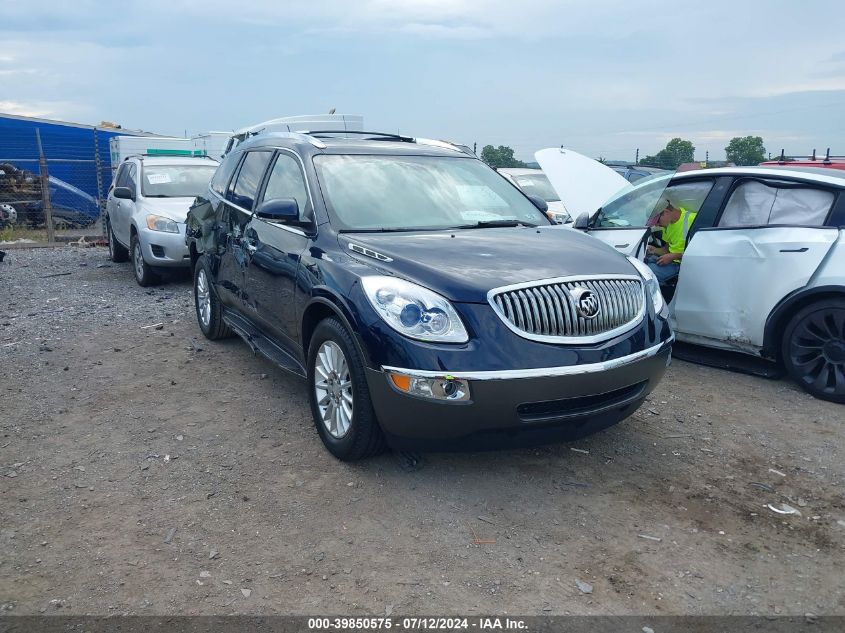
{"points": [[53, 183]]}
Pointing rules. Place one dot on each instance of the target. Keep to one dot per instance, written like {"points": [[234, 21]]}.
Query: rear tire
{"points": [[813, 349], [117, 251], [208, 309], [340, 399], [144, 274]]}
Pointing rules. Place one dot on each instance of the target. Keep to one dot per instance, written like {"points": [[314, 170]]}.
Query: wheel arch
{"points": [[787, 308], [325, 305]]}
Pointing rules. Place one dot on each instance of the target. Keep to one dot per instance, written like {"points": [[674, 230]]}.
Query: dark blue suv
{"points": [[426, 300]]}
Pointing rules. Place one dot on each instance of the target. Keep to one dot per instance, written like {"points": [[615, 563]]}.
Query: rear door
{"points": [[274, 252], [237, 212], [769, 240]]}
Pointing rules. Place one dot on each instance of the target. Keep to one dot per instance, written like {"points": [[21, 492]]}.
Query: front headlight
{"points": [[560, 217], [161, 223], [651, 284], [414, 311]]}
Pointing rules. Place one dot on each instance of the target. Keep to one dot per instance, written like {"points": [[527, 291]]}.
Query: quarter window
{"points": [[755, 203], [248, 179], [286, 181]]}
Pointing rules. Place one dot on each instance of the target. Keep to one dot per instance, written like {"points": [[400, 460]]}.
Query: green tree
{"points": [[501, 156], [746, 151], [677, 151]]}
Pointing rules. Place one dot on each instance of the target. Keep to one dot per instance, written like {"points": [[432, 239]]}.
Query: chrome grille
{"points": [[547, 310]]}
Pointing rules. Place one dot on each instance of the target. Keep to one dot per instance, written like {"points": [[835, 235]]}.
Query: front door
{"points": [[237, 213], [769, 240], [275, 250]]}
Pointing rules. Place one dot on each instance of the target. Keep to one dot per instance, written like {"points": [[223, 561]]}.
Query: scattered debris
{"points": [[784, 509], [205, 574], [157, 326], [55, 275], [388, 610], [762, 486], [170, 534], [246, 592], [650, 538], [481, 517], [648, 629], [584, 587], [579, 450], [476, 540], [213, 554], [777, 472]]}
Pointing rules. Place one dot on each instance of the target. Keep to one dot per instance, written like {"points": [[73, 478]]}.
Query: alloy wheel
{"points": [[203, 299], [138, 259], [817, 349], [333, 388]]}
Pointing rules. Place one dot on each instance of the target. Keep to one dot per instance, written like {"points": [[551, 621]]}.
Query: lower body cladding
{"points": [[476, 410]]}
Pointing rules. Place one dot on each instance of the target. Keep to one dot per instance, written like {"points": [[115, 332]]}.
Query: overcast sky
{"points": [[600, 77]]}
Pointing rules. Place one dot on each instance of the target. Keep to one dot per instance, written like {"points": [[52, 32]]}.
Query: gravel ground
{"points": [[145, 470]]}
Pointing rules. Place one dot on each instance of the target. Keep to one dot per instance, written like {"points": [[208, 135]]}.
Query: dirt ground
{"points": [[145, 470]]}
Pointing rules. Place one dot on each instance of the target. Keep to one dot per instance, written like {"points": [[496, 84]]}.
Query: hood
{"points": [[174, 208], [582, 183], [463, 265]]}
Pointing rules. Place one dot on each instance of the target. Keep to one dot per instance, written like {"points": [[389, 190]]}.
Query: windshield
{"points": [[537, 185], [365, 192], [176, 181], [634, 205]]}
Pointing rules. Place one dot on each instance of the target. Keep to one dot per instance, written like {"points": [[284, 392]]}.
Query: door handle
{"points": [[621, 245], [795, 250]]}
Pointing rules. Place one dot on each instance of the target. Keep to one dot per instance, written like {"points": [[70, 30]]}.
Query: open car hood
{"points": [[582, 183]]}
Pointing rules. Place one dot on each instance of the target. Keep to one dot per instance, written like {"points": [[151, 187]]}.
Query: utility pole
{"points": [[45, 189], [637, 159], [707, 157], [475, 148]]}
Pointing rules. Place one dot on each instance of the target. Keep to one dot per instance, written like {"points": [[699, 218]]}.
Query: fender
{"points": [[324, 296], [784, 310]]}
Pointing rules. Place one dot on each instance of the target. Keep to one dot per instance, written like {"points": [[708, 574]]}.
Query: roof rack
{"points": [[387, 136], [812, 157], [171, 153]]}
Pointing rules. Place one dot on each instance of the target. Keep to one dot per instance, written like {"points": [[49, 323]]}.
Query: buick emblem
{"points": [[586, 303]]}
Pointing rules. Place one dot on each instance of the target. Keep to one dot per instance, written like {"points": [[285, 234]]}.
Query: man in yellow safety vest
{"points": [[665, 261]]}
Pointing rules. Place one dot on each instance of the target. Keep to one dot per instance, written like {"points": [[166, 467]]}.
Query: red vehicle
{"points": [[830, 162]]}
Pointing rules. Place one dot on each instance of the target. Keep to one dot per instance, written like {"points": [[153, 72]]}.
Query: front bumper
{"points": [[164, 249], [519, 407]]}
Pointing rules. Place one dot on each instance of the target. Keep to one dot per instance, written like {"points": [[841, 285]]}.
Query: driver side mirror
{"points": [[124, 193], [582, 222], [279, 210]]}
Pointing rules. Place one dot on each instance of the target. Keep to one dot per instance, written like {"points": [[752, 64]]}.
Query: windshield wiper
{"points": [[486, 224], [378, 230]]}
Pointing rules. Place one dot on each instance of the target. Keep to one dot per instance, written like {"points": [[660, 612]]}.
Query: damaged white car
{"points": [[763, 270]]}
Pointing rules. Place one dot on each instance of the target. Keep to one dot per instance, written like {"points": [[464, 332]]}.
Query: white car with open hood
{"points": [[763, 271]]}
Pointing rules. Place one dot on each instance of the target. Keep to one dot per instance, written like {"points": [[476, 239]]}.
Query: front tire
{"points": [[144, 274], [813, 349], [117, 252], [208, 308], [340, 399]]}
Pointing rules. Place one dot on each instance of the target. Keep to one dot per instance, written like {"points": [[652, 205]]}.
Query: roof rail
{"points": [[811, 157], [381, 135]]}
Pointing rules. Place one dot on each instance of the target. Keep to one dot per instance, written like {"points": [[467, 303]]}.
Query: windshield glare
{"points": [[633, 206], [390, 192], [537, 185], [175, 181]]}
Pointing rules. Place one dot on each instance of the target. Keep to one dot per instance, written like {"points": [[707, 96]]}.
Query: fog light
{"points": [[441, 388]]}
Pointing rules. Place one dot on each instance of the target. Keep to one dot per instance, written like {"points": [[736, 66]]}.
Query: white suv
{"points": [[146, 210], [763, 272]]}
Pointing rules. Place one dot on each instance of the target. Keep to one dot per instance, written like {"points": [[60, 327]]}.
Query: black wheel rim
{"points": [[817, 351]]}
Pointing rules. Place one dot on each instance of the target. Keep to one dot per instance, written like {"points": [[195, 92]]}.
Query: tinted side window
{"points": [[120, 177], [224, 173], [754, 203], [287, 181], [248, 179]]}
